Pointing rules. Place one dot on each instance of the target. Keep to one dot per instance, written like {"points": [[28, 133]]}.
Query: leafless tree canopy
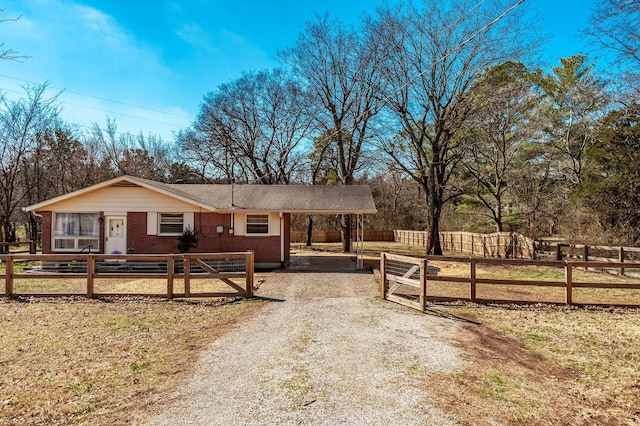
{"points": [[434, 54], [9, 54], [614, 26], [251, 129]]}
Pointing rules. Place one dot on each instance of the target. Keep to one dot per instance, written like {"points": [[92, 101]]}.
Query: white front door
{"points": [[115, 234]]}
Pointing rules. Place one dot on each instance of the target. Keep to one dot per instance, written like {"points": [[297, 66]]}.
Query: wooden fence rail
{"points": [[405, 279], [497, 244], [224, 267]]}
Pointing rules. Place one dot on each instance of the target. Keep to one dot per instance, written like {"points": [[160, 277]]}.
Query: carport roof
{"points": [[309, 199]]}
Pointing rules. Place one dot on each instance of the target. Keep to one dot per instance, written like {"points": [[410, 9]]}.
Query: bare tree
{"points": [[340, 68], [434, 55], [614, 27], [251, 129], [126, 154], [10, 54], [21, 122]]}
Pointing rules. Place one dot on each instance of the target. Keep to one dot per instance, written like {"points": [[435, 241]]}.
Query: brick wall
{"points": [[266, 249]]}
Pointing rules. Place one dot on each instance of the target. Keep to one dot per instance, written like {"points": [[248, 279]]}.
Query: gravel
{"points": [[324, 351]]}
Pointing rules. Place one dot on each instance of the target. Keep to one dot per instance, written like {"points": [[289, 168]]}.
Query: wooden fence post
{"points": [[484, 246], [249, 273], [8, 276], [559, 252], [586, 255], [187, 279], [423, 284], [621, 259], [383, 275], [472, 278], [91, 269], [171, 262], [568, 276]]}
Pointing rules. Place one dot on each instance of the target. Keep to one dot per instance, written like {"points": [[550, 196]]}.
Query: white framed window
{"points": [[257, 224], [170, 223], [76, 232]]}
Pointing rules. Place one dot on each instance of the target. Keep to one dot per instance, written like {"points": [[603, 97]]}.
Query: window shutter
{"points": [[152, 223], [188, 221]]}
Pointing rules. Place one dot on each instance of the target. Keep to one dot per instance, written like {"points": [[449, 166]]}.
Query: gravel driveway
{"points": [[323, 351]]}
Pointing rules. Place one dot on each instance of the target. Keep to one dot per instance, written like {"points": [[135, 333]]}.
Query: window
{"points": [[257, 224], [171, 224], [76, 232]]}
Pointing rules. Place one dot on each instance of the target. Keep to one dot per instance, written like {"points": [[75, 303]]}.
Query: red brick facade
{"points": [[267, 249]]}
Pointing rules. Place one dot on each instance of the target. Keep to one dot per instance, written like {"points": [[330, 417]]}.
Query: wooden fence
{"points": [[335, 236], [28, 247], [223, 268], [498, 244], [598, 253], [406, 280]]}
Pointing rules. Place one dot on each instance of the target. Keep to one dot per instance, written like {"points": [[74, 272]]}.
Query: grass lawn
{"points": [[543, 365], [97, 362]]}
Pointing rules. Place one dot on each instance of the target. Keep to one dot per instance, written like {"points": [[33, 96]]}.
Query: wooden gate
{"points": [[404, 280]]}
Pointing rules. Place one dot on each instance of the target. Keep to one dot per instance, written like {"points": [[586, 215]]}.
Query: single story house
{"points": [[130, 214]]}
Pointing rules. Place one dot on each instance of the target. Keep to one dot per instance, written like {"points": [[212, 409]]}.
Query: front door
{"points": [[115, 235]]}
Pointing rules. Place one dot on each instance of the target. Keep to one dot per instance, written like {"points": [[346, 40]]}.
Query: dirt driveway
{"points": [[323, 350]]}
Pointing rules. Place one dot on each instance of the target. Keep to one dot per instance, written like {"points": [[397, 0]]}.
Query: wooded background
{"points": [[439, 109]]}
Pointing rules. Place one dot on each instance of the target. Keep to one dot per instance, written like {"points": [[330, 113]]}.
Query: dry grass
{"points": [[552, 366], [95, 362]]}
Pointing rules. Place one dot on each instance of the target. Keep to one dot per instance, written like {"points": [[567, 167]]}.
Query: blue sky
{"points": [[148, 63]]}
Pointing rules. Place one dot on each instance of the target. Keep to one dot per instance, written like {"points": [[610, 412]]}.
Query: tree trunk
{"points": [[309, 230], [33, 228], [345, 225], [434, 208]]}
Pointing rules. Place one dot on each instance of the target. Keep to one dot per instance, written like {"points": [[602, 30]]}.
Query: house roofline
{"points": [[125, 178], [159, 188]]}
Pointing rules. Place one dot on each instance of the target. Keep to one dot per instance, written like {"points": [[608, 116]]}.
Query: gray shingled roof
{"points": [[328, 199], [325, 199]]}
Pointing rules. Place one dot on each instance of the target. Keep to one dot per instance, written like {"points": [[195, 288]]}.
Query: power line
{"points": [[99, 98], [89, 128]]}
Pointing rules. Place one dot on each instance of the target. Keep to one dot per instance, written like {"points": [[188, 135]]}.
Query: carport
{"points": [[353, 200]]}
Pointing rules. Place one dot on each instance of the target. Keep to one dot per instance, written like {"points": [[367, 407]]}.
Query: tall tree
{"points": [[575, 98], [339, 67], [21, 122], [58, 164], [251, 129], [434, 55], [496, 137], [611, 186]]}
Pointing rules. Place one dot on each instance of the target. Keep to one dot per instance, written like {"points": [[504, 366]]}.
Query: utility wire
{"points": [[99, 98]]}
